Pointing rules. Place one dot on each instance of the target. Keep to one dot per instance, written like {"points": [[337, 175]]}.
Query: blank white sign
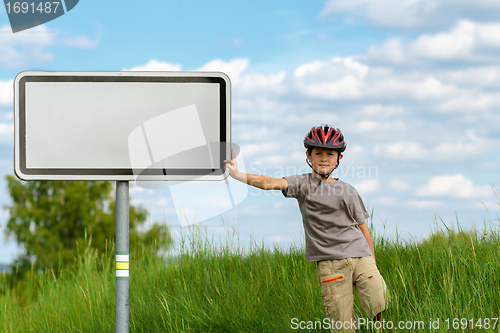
{"points": [[121, 125]]}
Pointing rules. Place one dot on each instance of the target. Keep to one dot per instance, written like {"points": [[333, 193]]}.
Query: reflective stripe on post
{"points": [[122, 265]]}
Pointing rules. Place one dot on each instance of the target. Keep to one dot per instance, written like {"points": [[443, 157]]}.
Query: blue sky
{"points": [[414, 85]]}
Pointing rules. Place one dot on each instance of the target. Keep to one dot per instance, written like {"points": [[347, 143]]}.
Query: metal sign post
{"points": [[122, 256]]}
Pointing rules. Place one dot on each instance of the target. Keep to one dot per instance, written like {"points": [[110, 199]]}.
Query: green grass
{"points": [[231, 289]]}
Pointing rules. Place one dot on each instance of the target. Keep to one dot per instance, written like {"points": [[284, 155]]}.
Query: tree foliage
{"points": [[55, 220]]}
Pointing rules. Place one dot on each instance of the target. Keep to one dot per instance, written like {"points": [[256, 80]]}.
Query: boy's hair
{"points": [[310, 149]]}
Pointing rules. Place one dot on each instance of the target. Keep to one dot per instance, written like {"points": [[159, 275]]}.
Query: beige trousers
{"points": [[337, 278]]}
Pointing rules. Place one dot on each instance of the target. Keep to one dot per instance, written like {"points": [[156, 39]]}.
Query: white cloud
{"points": [[335, 68], [411, 14], [38, 36], [395, 106], [401, 150], [346, 87], [481, 76], [257, 149], [433, 88], [135, 189], [398, 185], [344, 79], [30, 47], [6, 93], [397, 13], [379, 92], [380, 111], [262, 84], [457, 43], [155, 65], [453, 186], [466, 41], [371, 126], [387, 201], [422, 204], [453, 144], [233, 69], [467, 143], [489, 34], [337, 79], [6, 133], [469, 102], [162, 202], [25, 47], [369, 186]]}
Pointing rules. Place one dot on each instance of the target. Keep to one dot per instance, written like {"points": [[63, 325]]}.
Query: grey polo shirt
{"points": [[331, 213]]}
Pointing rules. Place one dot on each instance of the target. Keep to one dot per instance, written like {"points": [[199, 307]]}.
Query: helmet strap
{"points": [[325, 176]]}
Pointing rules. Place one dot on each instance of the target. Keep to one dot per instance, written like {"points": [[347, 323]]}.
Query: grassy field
{"points": [[453, 277]]}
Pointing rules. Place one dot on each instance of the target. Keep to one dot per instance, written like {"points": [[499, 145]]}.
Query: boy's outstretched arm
{"points": [[259, 181]]}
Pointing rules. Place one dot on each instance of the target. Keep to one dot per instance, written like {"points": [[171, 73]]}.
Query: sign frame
{"points": [[189, 79]]}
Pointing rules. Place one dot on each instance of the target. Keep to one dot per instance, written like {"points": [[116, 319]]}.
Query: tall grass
{"points": [[210, 288]]}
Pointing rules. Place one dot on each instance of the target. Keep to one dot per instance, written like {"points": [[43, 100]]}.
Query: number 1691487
{"points": [[44, 7]]}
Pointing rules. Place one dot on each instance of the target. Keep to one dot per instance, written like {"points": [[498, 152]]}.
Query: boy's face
{"points": [[323, 160]]}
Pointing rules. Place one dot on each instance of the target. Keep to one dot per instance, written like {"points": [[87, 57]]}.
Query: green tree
{"points": [[55, 220]]}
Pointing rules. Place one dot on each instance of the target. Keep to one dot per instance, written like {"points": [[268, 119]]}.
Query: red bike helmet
{"points": [[325, 136]]}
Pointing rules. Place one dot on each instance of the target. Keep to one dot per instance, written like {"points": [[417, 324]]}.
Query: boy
{"points": [[336, 234]]}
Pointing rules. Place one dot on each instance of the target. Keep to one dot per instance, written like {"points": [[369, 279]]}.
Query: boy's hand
{"points": [[232, 165]]}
